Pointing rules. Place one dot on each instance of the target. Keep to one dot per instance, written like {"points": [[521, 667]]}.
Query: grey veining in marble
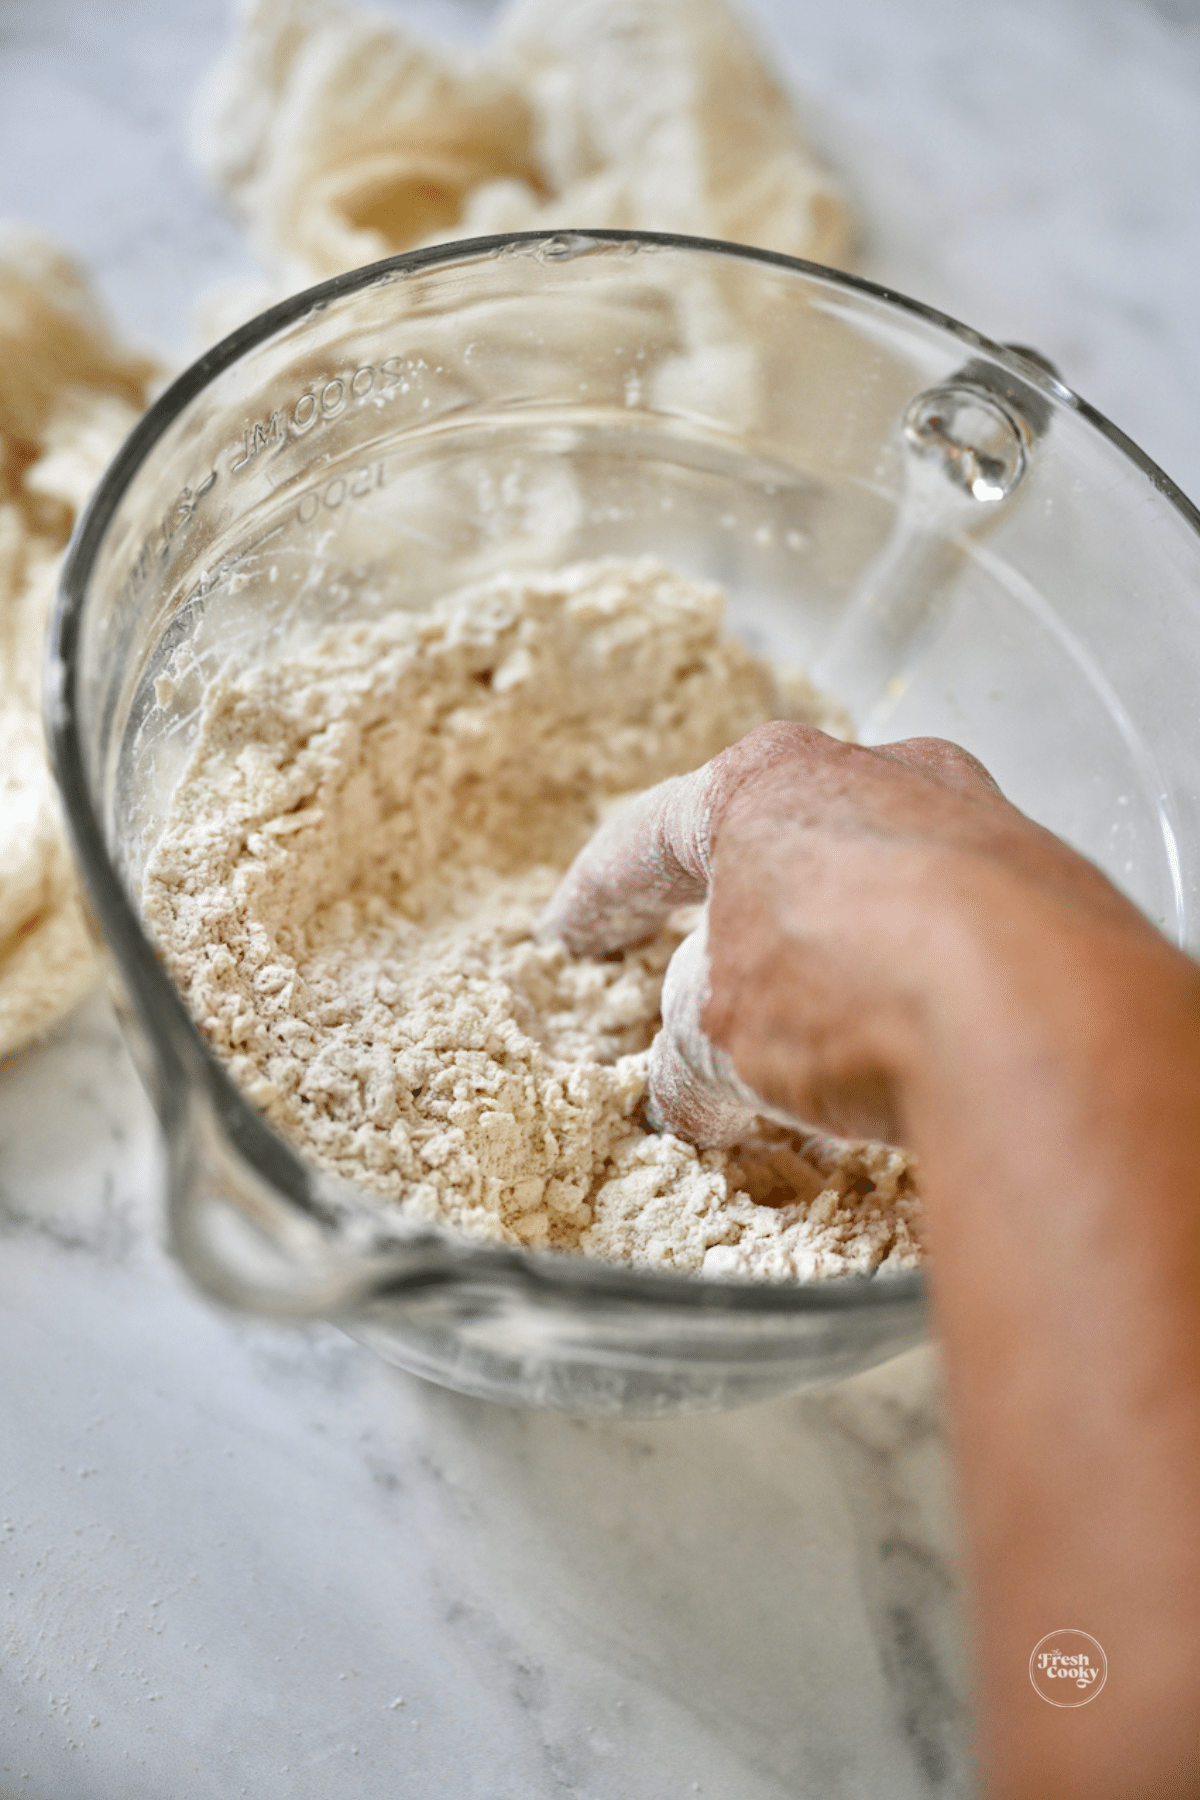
{"points": [[235, 1559], [242, 1559]]}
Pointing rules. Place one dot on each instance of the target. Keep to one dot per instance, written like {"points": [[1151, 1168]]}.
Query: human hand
{"points": [[861, 904], [893, 950]]}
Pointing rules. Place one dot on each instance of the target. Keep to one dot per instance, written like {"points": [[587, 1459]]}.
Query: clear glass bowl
{"points": [[952, 541]]}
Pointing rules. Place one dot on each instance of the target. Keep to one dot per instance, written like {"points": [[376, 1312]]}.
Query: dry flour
{"points": [[347, 892]]}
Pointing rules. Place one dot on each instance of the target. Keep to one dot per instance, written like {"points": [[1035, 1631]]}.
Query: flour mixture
{"points": [[347, 893]]}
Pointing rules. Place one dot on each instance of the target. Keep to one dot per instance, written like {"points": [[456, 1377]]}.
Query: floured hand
{"points": [[650, 857], [844, 927]]}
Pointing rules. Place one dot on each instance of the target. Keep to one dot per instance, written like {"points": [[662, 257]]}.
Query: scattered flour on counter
{"points": [[347, 890]]}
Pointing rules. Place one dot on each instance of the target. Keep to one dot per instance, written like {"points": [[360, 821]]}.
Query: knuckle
{"points": [[943, 758], [768, 750]]}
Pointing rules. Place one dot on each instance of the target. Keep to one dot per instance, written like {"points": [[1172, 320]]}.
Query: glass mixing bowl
{"points": [[931, 523]]}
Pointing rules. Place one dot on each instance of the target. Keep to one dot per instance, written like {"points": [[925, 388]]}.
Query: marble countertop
{"points": [[238, 1559]]}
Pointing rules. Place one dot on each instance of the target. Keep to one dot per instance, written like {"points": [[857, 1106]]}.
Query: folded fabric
{"points": [[341, 138], [68, 396]]}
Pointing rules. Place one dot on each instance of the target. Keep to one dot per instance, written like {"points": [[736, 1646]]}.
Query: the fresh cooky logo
{"points": [[1068, 1668]]}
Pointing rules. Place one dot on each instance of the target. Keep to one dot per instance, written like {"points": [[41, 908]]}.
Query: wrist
{"points": [[1040, 1007]]}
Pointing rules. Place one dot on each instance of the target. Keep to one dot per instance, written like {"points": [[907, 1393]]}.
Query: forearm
{"points": [[1044, 1064], [893, 950], [1064, 1224]]}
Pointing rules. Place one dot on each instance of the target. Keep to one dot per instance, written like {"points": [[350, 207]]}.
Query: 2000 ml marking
{"points": [[317, 405], [387, 381]]}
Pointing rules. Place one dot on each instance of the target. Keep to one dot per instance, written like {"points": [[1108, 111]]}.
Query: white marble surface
{"points": [[240, 1560], [236, 1559]]}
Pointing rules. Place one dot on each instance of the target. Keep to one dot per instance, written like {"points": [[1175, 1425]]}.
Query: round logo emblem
{"points": [[1068, 1668]]}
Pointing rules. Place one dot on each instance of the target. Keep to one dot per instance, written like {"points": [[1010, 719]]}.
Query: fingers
{"points": [[696, 1093], [655, 852], [830, 860], [651, 856], [694, 1090]]}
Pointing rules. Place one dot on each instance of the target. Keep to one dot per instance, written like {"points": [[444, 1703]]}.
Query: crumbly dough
{"points": [[347, 893], [341, 138], [68, 396]]}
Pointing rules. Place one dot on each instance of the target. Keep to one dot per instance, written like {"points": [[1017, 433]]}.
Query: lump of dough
{"points": [[341, 138], [69, 394]]}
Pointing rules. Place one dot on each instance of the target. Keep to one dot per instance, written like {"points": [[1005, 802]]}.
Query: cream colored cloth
{"points": [[341, 138], [68, 395]]}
